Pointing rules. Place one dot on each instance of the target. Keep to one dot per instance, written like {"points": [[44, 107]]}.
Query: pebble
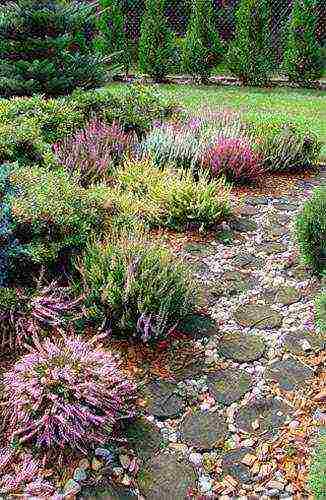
{"points": [[84, 464], [96, 464], [275, 485], [124, 461], [80, 475], [196, 459], [205, 484], [294, 424], [71, 487], [104, 453]]}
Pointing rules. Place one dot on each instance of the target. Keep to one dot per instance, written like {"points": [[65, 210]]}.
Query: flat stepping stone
{"points": [[289, 207], [302, 343], [229, 385], [143, 437], [241, 347], [273, 247], [249, 210], [247, 261], [287, 295], [276, 218], [258, 316], [242, 224], [275, 231], [184, 360], [107, 492], [204, 431], [232, 465], [234, 283], [257, 200], [198, 326], [162, 402], [262, 417], [300, 272], [289, 373], [165, 478]]}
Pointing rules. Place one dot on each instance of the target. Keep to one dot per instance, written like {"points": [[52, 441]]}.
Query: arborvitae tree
{"points": [[156, 41], [202, 47], [250, 56], [302, 56], [112, 37], [43, 48]]}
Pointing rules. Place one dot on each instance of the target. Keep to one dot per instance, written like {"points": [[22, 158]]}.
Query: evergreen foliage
{"points": [[202, 47], [249, 55], [112, 36], [43, 48], [302, 56], [156, 41]]}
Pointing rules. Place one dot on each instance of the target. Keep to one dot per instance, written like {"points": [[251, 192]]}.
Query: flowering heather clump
{"points": [[93, 151], [234, 158], [68, 394]]}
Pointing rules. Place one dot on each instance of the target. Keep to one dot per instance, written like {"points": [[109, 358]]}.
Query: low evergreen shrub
{"points": [[310, 228], [321, 311]]}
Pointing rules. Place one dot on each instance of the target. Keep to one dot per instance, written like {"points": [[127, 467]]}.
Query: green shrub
{"points": [[136, 288], [155, 48], [302, 56], [321, 312], [249, 55], [311, 230], [112, 36], [167, 197], [285, 146], [51, 214], [202, 47], [317, 473], [43, 50]]}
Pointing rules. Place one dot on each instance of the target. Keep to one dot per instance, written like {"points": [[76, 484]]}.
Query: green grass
{"points": [[317, 474], [303, 106]]}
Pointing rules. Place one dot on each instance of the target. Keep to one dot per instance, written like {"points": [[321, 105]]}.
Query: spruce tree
{"points": [[43, 48], [156, 41], [249, 56], [112, 36], [302, 56], [202, 47]]}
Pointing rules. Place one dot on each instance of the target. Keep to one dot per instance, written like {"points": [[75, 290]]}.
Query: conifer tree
{"points": [[250, 56], [156, 41], [43, 48], [112, 36], [302, 56], [202, 47]]}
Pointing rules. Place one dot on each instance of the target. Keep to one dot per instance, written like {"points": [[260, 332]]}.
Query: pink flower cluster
{"points": [[66, 394], [234, 158], [93, 151]]}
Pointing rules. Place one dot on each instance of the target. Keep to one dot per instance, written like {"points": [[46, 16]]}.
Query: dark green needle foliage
{"points": [[302, 56], [112, 37], [249, 55], [202, 47], [156, 43], [43, 48]]}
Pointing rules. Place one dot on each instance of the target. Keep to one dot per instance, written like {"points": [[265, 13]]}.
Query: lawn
{"points": [[298, 105]]}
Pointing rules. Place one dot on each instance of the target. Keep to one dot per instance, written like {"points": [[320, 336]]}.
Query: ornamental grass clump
{"points": [[134, 288], [93, 151], [234, 158], [321, 311], [310, 227], [68, 394]]}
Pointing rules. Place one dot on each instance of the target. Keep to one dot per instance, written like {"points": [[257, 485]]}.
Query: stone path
{"points": [[209, 430]]}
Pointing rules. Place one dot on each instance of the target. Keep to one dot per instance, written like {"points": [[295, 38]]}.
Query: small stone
{"points": [[255, 424], [104, 453], [205, 484], [80, 475], [71, 487], [96, 464], [289, 488], [288, 295], [256, 468], [124, 461], [196, 459], [84, 464], [320, 397], [294, 424], [273, 493], [249, 459], [306, 346], [275, 485], [126, 480]]}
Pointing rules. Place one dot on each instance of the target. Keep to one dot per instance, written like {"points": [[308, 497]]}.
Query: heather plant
{"points": [[249, 56], [302, 56], [310, 228], [155, 47], [65, 395], [94, 151], [285, 146], [168, 197], [234, 158], [201, 47], [135, 288]]}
